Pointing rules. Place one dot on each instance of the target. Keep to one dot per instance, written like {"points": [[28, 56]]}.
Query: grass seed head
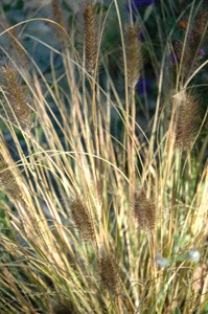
{"points": [[90, 40], [16, 96], [196, 39], [82, 219], [7, 181], [108, 269], [186, 120], [58, 17], [133, 54], [65, 308], [144, 210]]}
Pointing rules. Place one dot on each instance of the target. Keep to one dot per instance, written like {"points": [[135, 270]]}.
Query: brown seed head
{"points": [[7, 181], [64, 307], [133, 54], [144, 211], [108, 269], [16, 97], [15, 46], [186, 120], [82, 219], [58, 17], [196, 39], [90, 29]]}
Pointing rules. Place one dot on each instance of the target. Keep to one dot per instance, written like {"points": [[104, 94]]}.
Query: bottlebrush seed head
{"points": [[133, 55], [82, 219], [144, 210]]}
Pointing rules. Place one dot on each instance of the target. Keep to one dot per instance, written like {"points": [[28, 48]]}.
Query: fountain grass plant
{"points": [[96, 221]]}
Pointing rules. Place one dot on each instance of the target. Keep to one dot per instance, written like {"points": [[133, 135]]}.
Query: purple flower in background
{"points": [[142, 37], [136, 4], [142, 2], [201, 52], [175, 59], [143, 86]]}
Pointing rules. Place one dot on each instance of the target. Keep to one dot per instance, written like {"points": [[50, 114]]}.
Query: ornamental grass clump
{"points": [[99, 211]]}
